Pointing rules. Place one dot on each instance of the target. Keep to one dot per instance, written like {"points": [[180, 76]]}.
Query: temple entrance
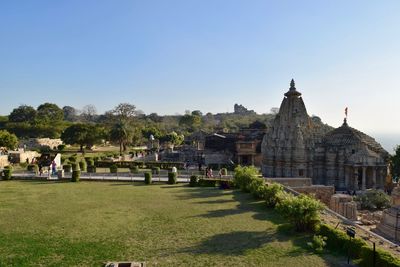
{"points": [[359, 178]]}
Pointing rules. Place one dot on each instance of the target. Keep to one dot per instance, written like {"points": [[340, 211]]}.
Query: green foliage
{"points": [[257, 187], [224, 171], [121, 133], [318, 243], [207, 182], [156, 170], [7, 174], [75, 166], [49, 113], [172, 178], [194, 179], [302, 211], [172, 138], [82, 165], [134, 169], [113, 168], [8, 140], [22, 113], [23, 165], [395, 163], [374, 200], [382, 258], [83, 134], [73, 158], [91, 169], [67, 168], [243, 177], [272, 194], [147, 178], [33, 168], [76, 174], [89, 161], [61, 147]]}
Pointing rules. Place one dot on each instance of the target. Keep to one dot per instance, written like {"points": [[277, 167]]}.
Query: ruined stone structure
{"points": [[297, 145]]}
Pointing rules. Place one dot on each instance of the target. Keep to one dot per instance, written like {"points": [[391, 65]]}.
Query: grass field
{"points": [[87, 224]]}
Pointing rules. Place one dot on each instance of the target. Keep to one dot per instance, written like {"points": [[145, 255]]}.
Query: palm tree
{"points": [[122, 134]]}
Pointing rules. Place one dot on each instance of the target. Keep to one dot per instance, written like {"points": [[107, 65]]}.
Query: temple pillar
{"points": [[374, 177], [355, 178], [346, 177], [364, 178]]}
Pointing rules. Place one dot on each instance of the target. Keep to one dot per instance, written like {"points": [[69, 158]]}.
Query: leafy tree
{"points": [[83, 135], [89, 113], [22, 113], [70, 113], [172, 138], [8, 140], [122, 134], [154, 117], [395, 163], [151, 130], [191, 121], [49, 113], [124, 111]]}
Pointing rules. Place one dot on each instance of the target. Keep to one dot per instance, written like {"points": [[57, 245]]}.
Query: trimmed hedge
{"points": [[134, 169], [208, 182], [91, 169], [7, 174], [140, 164], [147, 178], [113, 168], [75, 167], [82, 165], [67, 168], [194, 180], [172, 178], [75, 176], [33, 168], [156, 170]]}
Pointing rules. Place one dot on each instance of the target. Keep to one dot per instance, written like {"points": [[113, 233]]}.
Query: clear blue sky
{"points": [[169, 56]]}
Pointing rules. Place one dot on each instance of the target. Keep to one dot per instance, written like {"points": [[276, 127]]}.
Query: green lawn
{"points": [[86, 224]]}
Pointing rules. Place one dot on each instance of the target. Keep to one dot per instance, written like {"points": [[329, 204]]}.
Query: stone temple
{"points": [[297, 145]]}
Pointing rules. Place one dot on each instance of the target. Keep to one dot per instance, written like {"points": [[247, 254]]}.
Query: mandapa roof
{"points": [[346, 135]]}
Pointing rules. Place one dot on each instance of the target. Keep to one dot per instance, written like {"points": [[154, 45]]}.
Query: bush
{"points": [[302, 211], [134, 169], [318, 243], [89, 161], [194, 180], [156, 170], [33, 168], [75, 166], [61, 147], [7, 173], [75, 176], [67, 168], [243, 177], [23, 165], [257, 187], [172, 178], [147, 177], [207, 182], [382, 258], [272, 194], [113, 168], [73, 158], [82, 165], [91, 169], [374, 200]]}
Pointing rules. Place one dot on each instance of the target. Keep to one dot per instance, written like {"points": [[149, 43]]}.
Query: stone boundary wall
{"points": [[291, 182], [320, 192]]}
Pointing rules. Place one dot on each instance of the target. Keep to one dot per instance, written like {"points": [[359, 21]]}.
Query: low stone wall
{"points": [[320, 192], [36, 143], [291, 182]]}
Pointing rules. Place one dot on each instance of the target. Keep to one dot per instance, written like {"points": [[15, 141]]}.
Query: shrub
{"points": [[73, 158], [61, 147], [302, 211], [243, 176], [194, 179], [75, 176], [207, 182], [374, 200], [156, 170], [23, 165], [318, 243], [272, 194], [82, 165], [147, 177], [89, 161], [91, 169], [75, 166], [382, 258], [67, 168], [257, 187], [33, 168], [172, 178], [134, 169], [7, 173], [113, 168]]}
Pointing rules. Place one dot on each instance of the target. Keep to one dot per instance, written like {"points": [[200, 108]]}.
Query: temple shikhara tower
{"points": [[297, 145]]}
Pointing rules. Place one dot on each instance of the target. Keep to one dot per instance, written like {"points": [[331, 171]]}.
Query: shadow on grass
{"points": [[39, 182], [218, 201]]}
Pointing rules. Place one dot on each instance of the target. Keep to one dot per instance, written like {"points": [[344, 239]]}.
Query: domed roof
{"points": [[346, 135]]}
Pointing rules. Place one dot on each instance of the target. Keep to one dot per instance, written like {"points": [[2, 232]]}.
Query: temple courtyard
{"points": [[90, 223]]}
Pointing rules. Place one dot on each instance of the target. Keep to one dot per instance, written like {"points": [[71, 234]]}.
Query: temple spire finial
{"points": [[292, 85]]}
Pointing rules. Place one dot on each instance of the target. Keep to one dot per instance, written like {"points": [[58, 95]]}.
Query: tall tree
{"points": [[83, 135], [8, 140], [49, 113], [22, 113], [89, 113], [124, 111], [70, 113], [121, 134]]}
